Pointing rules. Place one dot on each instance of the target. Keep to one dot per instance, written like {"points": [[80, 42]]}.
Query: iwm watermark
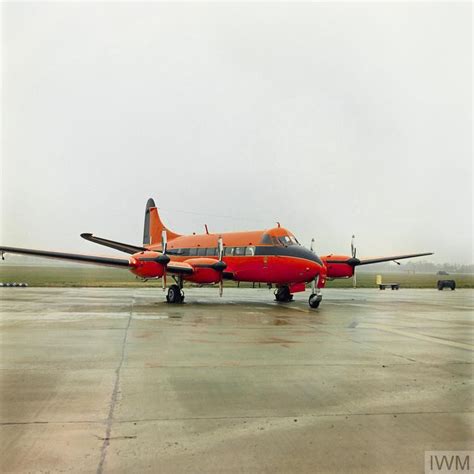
{"points": [[452, 462]]}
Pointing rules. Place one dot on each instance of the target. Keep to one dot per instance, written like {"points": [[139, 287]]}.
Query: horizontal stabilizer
{"points": [[113, 262], [127, 248]]}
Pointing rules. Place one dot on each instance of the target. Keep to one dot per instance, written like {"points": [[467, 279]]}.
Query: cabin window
{"points": [[201, 252], [266, 239], [184, 252], [211, 252], [193, 252], [294, 240], [239, 251], [250, 251], [229, 251]]}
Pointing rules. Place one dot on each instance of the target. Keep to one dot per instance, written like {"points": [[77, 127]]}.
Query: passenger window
{"points": [[193, 252], [239, 251], [201, 252], [184, 252], [211, 252], [250, 251], [229, 251]]}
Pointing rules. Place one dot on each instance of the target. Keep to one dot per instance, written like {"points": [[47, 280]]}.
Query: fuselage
{"points": [[269, 256]]}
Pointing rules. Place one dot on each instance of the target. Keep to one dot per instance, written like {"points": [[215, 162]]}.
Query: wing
{"points": [[368, 261], [127, 248], [113, 262]]}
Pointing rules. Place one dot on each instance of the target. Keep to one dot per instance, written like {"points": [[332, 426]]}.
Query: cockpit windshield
{"points": [[288, 240], [285, 240]]}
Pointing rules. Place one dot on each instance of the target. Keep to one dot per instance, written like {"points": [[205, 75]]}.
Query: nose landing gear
{"points": [[315, 298]]}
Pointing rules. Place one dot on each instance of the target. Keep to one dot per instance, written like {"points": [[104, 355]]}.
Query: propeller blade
{"points": [[312, 245], [353, 248], [164, 245], [220, 253], [164, 242], [354, 279], [220, 248]]}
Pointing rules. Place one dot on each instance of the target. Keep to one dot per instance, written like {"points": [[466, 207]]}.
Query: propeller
{"points": [[164, 245], [220, 254], [312, 245], [353, 254]]}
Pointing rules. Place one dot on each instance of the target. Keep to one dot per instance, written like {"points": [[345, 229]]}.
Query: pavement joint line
{"points": [[421, 337], [243, 417], [113, 400]]}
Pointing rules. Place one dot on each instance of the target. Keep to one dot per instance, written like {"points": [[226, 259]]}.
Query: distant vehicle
{"points": [[442, 284], [273, 256], [442, 272], [383, 286]]}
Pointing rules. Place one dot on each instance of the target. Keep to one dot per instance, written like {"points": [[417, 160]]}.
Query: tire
{"points": [[283, 294], [314, 300], [174, 294]]}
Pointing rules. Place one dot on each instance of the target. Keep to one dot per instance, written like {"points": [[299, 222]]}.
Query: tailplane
{"points": [[153, 226]]}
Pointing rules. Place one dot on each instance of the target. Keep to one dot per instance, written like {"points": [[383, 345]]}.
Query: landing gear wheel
{"points": [[314, 300], [283, 295], [175, 295]]}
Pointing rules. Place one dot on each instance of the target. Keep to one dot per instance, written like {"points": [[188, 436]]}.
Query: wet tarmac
{"points": [[116, 380]]}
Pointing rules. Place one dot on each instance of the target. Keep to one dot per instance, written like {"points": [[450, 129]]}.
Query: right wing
{"points": [[113, 262]]}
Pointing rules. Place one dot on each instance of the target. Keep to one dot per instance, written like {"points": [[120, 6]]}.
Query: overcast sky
{"points": [[332, 118]]}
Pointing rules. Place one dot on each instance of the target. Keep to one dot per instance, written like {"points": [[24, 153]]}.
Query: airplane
{"points": [[273, 256]]}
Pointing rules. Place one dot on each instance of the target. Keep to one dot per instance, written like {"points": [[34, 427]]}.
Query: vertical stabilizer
{"points": [[153, 226]]}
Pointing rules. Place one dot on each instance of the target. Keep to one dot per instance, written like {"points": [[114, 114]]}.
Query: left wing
{"points": [[355, 262], [368, 261]]}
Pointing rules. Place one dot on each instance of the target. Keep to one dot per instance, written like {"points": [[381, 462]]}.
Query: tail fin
{"points": [[153, 226]]}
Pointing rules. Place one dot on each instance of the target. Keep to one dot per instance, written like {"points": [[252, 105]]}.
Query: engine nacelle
{"points": [[142, 265], [203, 271], [338, 270]]}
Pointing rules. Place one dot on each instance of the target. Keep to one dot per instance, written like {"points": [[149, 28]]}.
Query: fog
{"points": [[331, 118]]}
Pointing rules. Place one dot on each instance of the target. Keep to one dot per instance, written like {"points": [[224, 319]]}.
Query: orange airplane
{"points": [[272, 256]]}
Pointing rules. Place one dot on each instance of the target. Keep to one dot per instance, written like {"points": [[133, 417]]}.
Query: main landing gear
{"points": [[283, 295], [175, 294]]}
